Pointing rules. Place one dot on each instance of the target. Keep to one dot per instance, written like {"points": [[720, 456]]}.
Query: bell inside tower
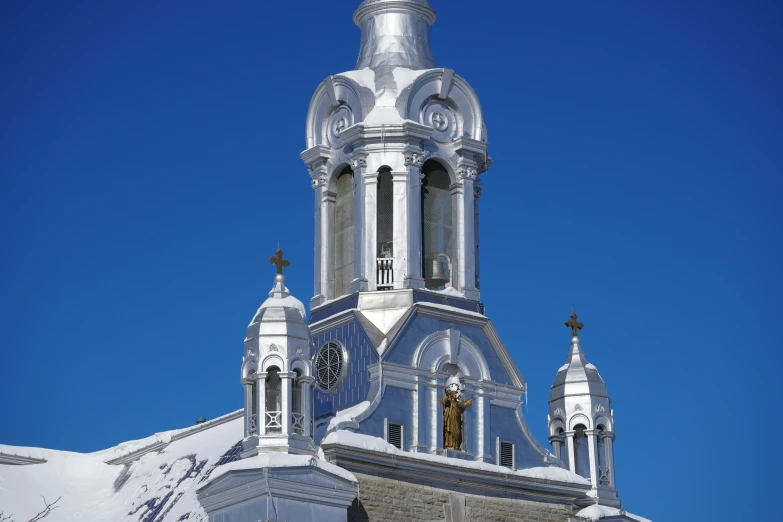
{"points": [[437, 238]]}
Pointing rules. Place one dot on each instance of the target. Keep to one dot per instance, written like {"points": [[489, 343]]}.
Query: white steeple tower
{"points": [[581, 421], [277, 374], [394, 149]]}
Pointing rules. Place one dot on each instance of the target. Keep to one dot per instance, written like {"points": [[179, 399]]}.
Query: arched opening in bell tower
{"points": [[581, 451], [437, 236], [385, 229], [273, 404], [343, 232]]}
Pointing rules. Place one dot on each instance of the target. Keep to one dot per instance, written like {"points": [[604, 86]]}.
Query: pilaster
{"points": [[360, 279], [369, 244], [609, 448], [570, 448], [463, 195], [248, 385], [593, 449], [261, 390], [400, 227], [419, 440], [316, 159], [286, 381], [484, 442], [414, 277], [306, 382]]}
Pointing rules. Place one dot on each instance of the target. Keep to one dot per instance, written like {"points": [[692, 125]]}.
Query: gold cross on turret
{"points": [[278, 261], [574, 325]]}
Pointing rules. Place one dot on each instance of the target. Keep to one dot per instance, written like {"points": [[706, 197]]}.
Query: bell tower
{"points": [[394, 150], [277, 374], [581, 421]]}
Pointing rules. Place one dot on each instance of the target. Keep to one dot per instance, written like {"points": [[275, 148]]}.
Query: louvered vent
{"points": [[395, 435], [507, 454]]}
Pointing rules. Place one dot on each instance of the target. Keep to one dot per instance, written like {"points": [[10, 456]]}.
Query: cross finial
{"points": [[574, 325], [278, 261]]}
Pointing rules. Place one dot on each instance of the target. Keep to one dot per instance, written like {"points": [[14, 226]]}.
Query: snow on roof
{"points": [[281, 460], [348, 414], [597, 512], [370, 443], [159, 485]]}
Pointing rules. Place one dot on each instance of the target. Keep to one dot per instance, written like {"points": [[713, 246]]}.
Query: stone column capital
{"points": [[358, 160]]}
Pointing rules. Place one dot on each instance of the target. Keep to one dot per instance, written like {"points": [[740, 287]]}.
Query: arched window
{"points": [[273, 401], [581, 451], [437, 242], [603, 470], [385, 222], [385, 230], [343, 233]]}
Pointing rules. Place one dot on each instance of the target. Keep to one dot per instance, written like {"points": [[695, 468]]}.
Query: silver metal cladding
{"points": [[395, 33]]}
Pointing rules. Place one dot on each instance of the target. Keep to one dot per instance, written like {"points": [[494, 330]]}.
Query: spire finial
{"points": [[278, 260], [574, 324]]}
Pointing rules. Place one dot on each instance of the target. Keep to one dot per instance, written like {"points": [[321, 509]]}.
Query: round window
{"points": [[329, 366]]}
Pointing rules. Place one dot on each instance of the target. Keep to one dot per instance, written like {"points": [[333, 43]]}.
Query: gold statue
{"points": [[452, 419]]}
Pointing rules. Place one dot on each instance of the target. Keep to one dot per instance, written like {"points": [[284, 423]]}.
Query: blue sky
{"points": [[149, 162]]}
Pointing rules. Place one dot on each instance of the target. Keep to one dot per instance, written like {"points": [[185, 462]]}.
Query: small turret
{"points": [[581, 422], [277, 374]]}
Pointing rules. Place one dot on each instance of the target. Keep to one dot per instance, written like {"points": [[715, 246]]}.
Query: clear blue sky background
{"points": [[149, 162]]}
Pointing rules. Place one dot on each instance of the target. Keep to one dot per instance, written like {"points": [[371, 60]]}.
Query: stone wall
{"points": [[387, 500]]}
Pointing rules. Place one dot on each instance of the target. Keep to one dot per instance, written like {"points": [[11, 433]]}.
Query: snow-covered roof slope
{"points": [[156, 480], [157, 487]]}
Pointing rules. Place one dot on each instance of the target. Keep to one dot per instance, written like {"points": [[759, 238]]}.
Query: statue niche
{"points": [[452, 419]]}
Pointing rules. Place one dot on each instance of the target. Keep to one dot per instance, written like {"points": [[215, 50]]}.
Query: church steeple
{"points": [[395, 148]]}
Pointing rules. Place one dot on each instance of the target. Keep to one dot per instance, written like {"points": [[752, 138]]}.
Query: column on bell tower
{"points": [[366, 183]]}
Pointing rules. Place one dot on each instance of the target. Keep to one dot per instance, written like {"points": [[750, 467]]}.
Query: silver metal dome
{"points": [[577, 376]]}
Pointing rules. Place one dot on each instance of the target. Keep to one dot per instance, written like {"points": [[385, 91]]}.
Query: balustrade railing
{"points": [[274, 421], [385, 273], [297, 423]]}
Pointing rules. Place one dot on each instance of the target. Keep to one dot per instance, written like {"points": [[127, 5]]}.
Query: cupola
{"points": [[581, 421], [277, 374]]}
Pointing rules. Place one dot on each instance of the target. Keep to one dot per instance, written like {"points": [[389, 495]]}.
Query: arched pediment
{"points": [[579, 418], [274, 360], [451, 347], [338, 103], [249, 365], [445, 101], [602, 420], [301, 365]]}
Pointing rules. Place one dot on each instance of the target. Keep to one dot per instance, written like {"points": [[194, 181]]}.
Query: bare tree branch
{"points": [[6, 518], [45, 512]]}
